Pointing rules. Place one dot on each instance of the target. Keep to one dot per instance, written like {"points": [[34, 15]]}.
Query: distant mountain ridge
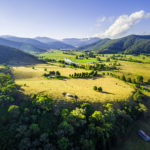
{"points": [[55, 44], [32, 45], [19, 45], [80, 42], [132, 44], [13, 56]]}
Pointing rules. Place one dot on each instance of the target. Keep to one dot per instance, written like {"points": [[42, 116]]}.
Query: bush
{"points": [[138, 96], [129, 80], [123, 78], [140, 79], [95, 88], [14, 110], [100, 89]]}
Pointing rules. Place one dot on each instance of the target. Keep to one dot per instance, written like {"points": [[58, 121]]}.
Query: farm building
{"points": [[69, 61]]}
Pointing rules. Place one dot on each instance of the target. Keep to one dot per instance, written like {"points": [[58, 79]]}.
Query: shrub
{"points": [[138, 96], [63, 143], [140, 79], [14, 110], [100, 89], [123, 78], [129, 80], [95, 88]]}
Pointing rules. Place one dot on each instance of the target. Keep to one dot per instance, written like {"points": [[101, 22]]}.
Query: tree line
{"points": [[84, 74]]}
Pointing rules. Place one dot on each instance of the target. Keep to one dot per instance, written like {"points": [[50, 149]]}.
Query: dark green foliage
{"points": [[53, 74], [98, 59], [129, 80], [139, 79], [138, 96], [100, 89], [84, 74], [123, 78], [95, 88], [108, 60], [148, 80]]}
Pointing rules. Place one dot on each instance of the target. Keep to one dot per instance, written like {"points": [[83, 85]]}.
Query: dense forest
{"points": [[40, 123]]}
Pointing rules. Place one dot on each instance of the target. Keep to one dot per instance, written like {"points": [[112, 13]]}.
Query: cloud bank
{"points": [[123, 24]]}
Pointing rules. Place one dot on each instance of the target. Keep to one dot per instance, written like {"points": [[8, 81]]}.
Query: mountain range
{"points": [[132, 44], [80, 42], [38, 44]]}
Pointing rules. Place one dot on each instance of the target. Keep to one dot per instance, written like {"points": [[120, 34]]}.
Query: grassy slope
{"points": [[14, 56]]}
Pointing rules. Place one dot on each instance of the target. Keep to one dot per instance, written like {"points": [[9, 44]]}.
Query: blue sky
{"points": [[74, 18]]}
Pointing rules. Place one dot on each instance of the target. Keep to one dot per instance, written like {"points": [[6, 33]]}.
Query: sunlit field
{"points": [[136, 69], [32, 81]]}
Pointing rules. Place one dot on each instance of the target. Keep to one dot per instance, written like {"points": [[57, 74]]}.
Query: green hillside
{"points": [[95, 45], [133, 44], [14, 56]]}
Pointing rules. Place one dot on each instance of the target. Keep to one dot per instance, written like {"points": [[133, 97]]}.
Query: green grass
{"points": [[58, 55]]}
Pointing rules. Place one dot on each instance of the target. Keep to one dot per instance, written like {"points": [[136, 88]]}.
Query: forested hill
{"points": [[95, 45], [14, 56], [133, 44]]}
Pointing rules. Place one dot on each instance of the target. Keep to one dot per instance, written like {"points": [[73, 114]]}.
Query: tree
{"points": [[138, 96], [33, 67], [88, 108], [129, 80], [76, 98], [57, 73], [100, 89], [95, 88], [98, 59], [123, 78], [148, 80], [66, 128], [97, 115], [108, 60], [14, 110], [139, 79], [34, 128], [64, 113], [64, 94], [63, 143]]}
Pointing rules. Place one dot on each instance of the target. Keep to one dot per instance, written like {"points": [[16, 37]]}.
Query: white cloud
{"points": [[123, 23], [103, 19]]}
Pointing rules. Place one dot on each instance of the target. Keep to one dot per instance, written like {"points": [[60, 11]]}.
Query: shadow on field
{"points": [[107, 93]]}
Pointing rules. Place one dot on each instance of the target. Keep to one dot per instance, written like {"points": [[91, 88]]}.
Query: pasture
{"points": [[33, 82], [136, 69]]}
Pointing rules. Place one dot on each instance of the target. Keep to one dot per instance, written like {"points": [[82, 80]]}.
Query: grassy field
{"points": [[136, 69], [34, 82], [58, 55]]}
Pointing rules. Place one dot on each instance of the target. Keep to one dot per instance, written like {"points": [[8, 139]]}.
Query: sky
{"points": [[74, 18]]}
